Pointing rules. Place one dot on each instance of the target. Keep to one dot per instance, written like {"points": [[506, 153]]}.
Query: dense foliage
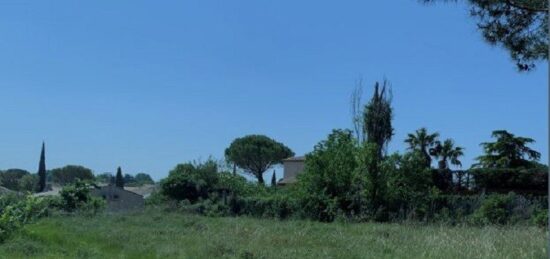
{"points": [[377, 117], [19, 212], [508, 151], [71, 174], [77, 197], [16, 180], [191, 181], [143, 178], [331, 177], [509, 179]]}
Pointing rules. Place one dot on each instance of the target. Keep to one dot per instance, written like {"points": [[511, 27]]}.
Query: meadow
{"points": [[158, 234]]}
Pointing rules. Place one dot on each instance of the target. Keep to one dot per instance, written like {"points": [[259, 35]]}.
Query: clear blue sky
{"points": [[147, 85]]}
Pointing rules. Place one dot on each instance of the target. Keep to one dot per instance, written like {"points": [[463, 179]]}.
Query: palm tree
{"points": [[507, 151], [447, 152], [422, 141]]}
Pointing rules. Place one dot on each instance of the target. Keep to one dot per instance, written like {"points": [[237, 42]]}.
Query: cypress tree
{"points": [[42, 169], [273, 179], [119, 180]]}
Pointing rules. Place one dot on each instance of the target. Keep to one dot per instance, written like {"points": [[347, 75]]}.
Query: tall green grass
{"points": [[155, 234]]}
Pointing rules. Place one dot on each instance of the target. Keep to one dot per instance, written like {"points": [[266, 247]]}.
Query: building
{"points": [[292, 167], [118, 199]]}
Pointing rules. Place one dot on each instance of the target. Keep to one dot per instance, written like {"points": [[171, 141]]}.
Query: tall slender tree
{"points": [[119, 180], [42, 169], [273, 179], [422, 141], [377, 118]]}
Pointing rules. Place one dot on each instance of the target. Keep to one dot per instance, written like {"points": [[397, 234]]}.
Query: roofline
{"points": [[112, 186], [295, 158]]}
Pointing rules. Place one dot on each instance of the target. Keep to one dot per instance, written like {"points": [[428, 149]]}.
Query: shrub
{"points": [[495, 209], [191, 181], [409, 185], [17, 214], [156, 198], [9, 199], [77, 197], [237, 185], [281, 206], [541, 218]]}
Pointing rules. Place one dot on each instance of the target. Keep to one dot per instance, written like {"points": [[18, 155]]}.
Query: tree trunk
{"points": [[427, 158], [260, 177], [442, 164]]}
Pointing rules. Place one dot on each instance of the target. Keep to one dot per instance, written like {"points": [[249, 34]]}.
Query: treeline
{"points": [[24, 181], [351, 176]]}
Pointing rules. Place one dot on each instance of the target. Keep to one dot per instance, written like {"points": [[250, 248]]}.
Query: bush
{"points": [[237, 185], [541, 218], [191, 181], [410, 188], [495, 209], [9, 199], [16, 215], [156, 198], [77, 197]]}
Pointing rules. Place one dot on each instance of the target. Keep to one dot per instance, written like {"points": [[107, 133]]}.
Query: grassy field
{"points": [[170, 235]]}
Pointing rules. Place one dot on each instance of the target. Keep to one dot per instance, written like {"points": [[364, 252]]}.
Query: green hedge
{"points": [[505, 180]]}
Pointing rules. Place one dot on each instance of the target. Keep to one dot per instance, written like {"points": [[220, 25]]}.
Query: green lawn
{"points": [[170, 235]]}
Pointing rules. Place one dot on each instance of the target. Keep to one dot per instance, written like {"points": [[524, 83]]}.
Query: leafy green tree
{"points": [[330, 181], [191, 181], [28, 183], [143, 178], [104, 178], [447, 152], [422, 141], [129, 179], [119, 180], [519, 26], [508, 151], [42, 169], [11, 178], [377, 116], [255, 154], [71, 173]]}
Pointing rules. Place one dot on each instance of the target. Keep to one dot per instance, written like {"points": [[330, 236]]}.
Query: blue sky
{"points": [[147, 85]]}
